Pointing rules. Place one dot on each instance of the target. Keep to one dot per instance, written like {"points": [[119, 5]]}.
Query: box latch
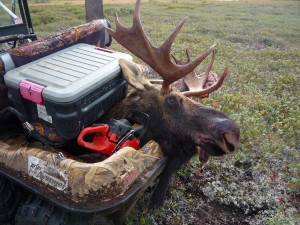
{"points": [[32, 91]]}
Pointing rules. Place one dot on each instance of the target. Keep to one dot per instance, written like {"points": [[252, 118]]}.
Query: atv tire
{"points": [[10, 199], [37, 211]]}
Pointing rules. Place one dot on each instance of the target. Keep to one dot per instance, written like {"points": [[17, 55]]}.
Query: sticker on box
{"points": [[42, 113]]}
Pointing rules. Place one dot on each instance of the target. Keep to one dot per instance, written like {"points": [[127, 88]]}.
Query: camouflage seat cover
{"points": [[103, 180]]}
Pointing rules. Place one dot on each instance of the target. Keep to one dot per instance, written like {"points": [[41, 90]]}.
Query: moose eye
{"points": [[172, 101]]}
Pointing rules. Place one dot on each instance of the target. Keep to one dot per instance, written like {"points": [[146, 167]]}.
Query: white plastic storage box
{"points": [[69, 89]]}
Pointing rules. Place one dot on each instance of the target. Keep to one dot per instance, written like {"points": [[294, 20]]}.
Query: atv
{"points": [[46, 177]]}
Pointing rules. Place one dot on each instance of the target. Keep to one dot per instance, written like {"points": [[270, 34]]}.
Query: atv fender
{"points": [[86, 186]]}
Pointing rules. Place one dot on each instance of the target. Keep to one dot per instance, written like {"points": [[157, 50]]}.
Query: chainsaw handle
{"points": [[142, 119], [103, 129]]}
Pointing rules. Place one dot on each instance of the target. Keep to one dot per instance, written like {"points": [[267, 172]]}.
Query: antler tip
{"points": [[225, 73], [185, 18]]}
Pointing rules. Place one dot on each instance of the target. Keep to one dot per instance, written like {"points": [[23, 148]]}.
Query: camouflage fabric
{"points": [[102, 180], [89, 33], [47, 132]]}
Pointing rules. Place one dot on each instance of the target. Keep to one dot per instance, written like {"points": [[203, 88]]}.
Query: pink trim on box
{"points": [[32, 91]]}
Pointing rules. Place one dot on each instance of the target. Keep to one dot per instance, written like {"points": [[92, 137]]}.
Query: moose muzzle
{"points": [[222, 137]]}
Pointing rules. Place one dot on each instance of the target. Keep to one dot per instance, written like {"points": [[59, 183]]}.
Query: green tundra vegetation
{"points": [[260, 41]]}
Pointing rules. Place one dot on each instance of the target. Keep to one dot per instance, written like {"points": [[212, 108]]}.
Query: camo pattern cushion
{"points": [[102, 180], [89, 33], [47, 132]]}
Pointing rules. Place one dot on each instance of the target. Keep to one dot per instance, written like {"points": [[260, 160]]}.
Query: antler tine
{"points": [[196, 84], [204, 92], [187, 51], [136, 41]]}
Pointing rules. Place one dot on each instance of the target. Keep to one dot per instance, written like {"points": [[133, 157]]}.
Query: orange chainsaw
{"points": [[109, 138]]}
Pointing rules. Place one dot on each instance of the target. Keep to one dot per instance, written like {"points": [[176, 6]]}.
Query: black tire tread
{"points": [[10, 199], [38, 211]]}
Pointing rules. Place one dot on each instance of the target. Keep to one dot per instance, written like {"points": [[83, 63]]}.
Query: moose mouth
{"points": [[208, 145]]}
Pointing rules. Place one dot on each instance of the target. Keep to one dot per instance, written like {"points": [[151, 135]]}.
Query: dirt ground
{"points": [[198, 210], [186, 204]]}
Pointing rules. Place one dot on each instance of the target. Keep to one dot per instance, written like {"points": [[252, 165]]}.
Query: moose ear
{"points": [[134, 75]]}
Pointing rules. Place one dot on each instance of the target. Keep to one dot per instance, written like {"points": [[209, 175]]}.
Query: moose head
{"points": [[178, 123]]}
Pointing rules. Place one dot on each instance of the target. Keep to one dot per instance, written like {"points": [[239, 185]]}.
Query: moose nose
{"points": [[231, 141], [230, 134]]}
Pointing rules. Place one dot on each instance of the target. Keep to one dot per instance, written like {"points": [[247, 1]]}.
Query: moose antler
{"points": [[204, 84], [136, 41]]}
